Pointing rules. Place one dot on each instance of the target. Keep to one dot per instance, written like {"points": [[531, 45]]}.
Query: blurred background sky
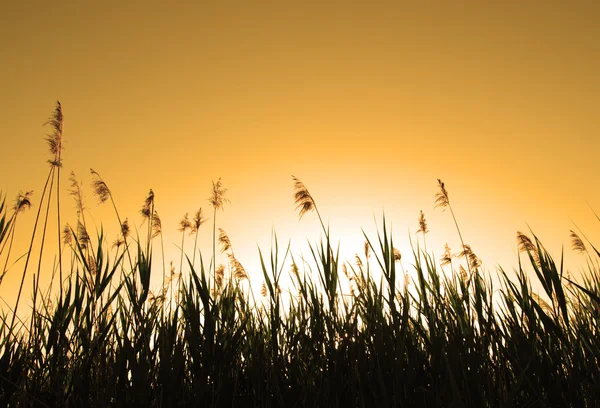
{"points": [[368, 103]]}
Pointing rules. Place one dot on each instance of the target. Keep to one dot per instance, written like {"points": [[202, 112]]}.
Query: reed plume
{"points": [[148, 214], [22, 203], [237, 270], [197, 222], [423, 227], [82, 236], [55, 139], [224, 241], [101, 190], [442, 200], [447, 256], [103, 194], [218, 200], [524, 244], [302, 198], [219, 276], [156, 231], [468, 253], [577, 243], [184, 225], [67, 235], [77, 194]]}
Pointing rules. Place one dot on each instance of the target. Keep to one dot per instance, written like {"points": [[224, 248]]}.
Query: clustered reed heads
{"points": [[397, 255], [302, 198], [441, 198], [55, 142], [577, 243]]}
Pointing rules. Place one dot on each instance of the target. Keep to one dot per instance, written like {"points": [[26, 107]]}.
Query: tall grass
{"points": [[447, 339]]}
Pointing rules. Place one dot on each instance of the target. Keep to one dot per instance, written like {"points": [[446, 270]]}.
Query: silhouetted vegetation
{"points": [[450, 338]]}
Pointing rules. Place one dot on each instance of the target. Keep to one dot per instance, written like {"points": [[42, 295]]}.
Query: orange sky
{"points": [[367, 103]]}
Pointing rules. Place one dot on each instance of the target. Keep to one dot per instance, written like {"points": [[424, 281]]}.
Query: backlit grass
{"points": [[214, 337]]}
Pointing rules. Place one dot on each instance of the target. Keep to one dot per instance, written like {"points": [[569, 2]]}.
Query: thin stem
{"points": [[50, 173], [461, 238], [37, 279], [60, 270], [214, 261]]}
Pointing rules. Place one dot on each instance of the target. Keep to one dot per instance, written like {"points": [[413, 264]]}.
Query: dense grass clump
{"points": [[449, 338]]}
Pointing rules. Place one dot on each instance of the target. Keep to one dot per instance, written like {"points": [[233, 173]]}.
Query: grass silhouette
{"points": [[448, 339]]}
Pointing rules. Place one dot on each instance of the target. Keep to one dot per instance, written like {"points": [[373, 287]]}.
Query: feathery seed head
{"points": [[23, 201], [198, 220], [217, 199], [146, 210], [577, 243], [224, 241], [468, 253], [219, 275], [524, 244], [263, 290], [302, 198], [237, 269], [156, 225], [75, 191], [447, 257], [294, 269], [100, 188], [67, 235], [125, 229], [185, 223], [397, 255], [441, 198], [55, 142], [422, 223], [359, 262], [118, 242], [463, 274]]}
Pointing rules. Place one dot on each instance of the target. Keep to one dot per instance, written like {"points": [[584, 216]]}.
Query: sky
{"points": [[368, 103]]}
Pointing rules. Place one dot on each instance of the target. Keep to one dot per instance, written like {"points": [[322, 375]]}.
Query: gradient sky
{"points": [[367, 103]]}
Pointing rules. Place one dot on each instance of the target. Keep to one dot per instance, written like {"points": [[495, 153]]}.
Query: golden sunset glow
{"points": [[368, 104]]}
